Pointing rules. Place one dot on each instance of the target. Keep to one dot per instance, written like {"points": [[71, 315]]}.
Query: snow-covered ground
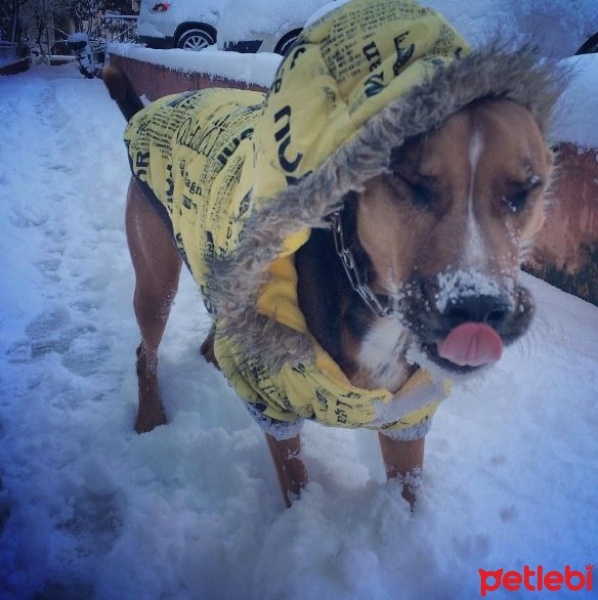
{"points": [[192, 510]]}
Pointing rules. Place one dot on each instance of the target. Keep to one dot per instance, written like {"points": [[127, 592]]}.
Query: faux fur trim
{"points": [[237, 280]]}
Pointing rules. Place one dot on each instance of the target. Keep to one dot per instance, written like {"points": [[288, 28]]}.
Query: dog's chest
{"points": [[381, 356]]}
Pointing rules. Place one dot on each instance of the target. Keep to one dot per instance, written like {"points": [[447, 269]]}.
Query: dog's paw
{"points": [[146, 421]]}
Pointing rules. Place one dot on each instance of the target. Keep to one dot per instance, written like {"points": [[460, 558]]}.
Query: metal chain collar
{"points": [[361, 288]]}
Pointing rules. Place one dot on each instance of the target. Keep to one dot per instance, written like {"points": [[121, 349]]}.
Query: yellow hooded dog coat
{"points": [[242, 177]]}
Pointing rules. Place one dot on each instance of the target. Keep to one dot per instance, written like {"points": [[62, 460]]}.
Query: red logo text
{"points": [[536, 580]]}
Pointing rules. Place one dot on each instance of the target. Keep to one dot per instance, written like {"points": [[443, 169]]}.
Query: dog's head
{"points": [[447, 227]]}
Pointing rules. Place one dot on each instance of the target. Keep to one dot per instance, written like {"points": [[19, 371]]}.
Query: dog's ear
{"points": [[122, 91]]}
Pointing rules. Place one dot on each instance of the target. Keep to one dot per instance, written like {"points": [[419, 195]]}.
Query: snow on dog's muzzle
{"points": [[466, 325]]}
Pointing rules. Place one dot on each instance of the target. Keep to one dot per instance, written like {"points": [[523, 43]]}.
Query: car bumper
{"points": [[157, 42], [245, 47]]}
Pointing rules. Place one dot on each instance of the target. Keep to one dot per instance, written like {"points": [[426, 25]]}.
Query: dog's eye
{"points": [[419, 194], [519, 195], [422, 195], [516, 202]]}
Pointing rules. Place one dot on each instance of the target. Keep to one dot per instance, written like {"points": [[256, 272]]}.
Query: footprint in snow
{"points": [[53, 331]]}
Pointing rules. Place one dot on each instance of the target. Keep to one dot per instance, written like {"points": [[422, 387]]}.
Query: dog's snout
{"points": [[492, 310]]}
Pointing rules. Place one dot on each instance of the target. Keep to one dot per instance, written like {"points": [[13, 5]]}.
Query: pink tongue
{"points": [[471, 345]]}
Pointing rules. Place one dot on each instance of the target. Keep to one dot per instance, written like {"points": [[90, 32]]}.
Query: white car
{"points": [[557, 28], [187, 24], [264, 25]]}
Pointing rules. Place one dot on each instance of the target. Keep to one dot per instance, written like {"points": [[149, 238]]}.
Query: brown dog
{"points": [[417, 265]]}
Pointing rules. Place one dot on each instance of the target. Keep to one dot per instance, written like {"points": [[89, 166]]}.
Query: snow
{"points": [[241, 19], [580, 100], [246, 68], [193, 510], [462, 284], [558, 28]]}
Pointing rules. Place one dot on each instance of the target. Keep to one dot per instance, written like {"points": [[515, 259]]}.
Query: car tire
{"points": [[285, 44], [195, 38]]}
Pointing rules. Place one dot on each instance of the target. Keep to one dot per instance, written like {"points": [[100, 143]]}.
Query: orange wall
{"points": [[155, 81], [574, 217]]}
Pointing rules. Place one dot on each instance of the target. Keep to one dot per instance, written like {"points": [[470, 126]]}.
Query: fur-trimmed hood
{"points": [[360, 82]]}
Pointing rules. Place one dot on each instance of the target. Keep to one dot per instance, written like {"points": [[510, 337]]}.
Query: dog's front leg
{"points": [[404, 462], [292, 474]]}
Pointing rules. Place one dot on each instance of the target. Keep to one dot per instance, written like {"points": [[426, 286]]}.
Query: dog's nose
{"points": [[492, 310]]}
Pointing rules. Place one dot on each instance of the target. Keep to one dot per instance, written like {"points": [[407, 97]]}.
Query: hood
{"points": [[359, 83]]}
